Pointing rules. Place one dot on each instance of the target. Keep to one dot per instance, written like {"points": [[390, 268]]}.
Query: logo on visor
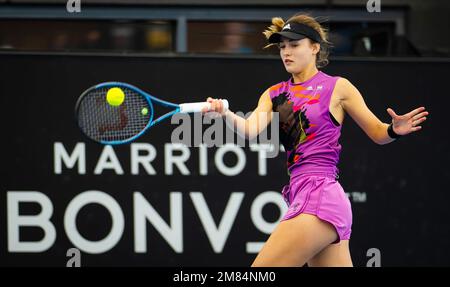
{"points": [[287, 27]]}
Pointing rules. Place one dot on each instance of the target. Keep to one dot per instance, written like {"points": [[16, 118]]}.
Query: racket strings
{"points": [[103, 122]]}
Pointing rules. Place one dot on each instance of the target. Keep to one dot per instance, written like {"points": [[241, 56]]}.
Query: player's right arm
{"points": [[254, 124]]}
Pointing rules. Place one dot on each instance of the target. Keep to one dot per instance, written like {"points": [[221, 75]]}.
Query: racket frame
{"points": [[149, 98]]}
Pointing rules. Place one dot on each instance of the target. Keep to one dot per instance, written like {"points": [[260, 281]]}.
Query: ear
{"points": [[316, 48]]}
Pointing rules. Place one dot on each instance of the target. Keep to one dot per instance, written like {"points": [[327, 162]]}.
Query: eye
{"points": [[281, 45]]}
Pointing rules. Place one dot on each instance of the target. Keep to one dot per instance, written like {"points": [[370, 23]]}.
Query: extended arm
{"points": [[254, 124], [353, 103]]}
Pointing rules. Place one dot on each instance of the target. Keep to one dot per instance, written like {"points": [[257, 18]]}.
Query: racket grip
{"points": [[197, 107]]}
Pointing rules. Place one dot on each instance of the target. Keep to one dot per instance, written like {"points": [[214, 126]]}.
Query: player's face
{"points": [[297, 54]]}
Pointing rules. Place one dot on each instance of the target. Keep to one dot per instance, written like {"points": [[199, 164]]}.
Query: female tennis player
{"points": [[311, 104]]}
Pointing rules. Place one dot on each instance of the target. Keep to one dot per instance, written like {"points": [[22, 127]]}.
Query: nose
{"points": [[286, 52]]}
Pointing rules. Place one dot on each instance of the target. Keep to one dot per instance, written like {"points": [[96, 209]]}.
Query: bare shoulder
{"points": [[266, 94], [342, 87], [265, 100], [342, 82], [345, 90]]}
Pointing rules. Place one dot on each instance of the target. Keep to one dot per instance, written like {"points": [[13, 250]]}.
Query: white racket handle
{"points": [[197, 107]]}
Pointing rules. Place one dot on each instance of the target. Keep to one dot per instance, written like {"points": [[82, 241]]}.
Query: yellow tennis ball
{"points": [[115, 96]]}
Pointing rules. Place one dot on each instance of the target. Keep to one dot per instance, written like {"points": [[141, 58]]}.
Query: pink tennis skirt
{"points": [[319, 194]]}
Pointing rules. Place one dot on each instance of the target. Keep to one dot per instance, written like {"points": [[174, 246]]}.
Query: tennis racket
{"points": [[123, 122]]}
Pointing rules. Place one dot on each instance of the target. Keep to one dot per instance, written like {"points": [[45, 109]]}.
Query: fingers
{"points": [[415, 117], [416, 111], [220, 110], [392, 113], [216, 105], [418, 116], [205, 109], [419, 121]]}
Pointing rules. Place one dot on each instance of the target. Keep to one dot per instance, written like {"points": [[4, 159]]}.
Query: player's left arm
{"points": [[353, 103]]}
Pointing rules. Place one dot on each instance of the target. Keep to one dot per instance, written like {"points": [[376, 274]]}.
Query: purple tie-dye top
{"points": [[308, 131]]}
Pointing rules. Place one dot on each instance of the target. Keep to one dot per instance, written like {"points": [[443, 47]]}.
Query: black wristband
{"points": [[391, 132]]}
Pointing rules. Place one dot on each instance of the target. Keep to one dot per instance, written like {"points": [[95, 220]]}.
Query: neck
{"points": [[305, 74]]}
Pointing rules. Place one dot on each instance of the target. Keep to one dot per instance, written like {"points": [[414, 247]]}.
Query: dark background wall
{"points": [[427, 24], [398, 191]]}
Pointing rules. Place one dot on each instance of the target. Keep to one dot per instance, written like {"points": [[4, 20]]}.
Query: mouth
{"points": [[287, 61]]}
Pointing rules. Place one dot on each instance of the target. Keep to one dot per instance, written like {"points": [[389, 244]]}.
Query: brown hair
{"points": [[278, 23]]}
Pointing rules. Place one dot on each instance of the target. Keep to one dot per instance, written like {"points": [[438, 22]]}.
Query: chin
{"points": [[293, 70]]}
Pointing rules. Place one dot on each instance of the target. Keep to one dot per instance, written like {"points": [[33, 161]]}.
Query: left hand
{"points": [[408, 123]]}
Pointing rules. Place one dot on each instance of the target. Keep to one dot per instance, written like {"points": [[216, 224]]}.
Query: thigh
{"points": [[295, 241], [335, 255]]}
